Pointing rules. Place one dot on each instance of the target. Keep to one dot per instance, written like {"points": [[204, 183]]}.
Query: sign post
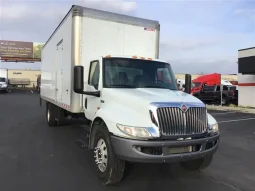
{"points": [[221, 89]]}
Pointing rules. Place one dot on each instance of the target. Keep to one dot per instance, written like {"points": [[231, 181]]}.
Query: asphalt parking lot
{"points": [[36, 157]]}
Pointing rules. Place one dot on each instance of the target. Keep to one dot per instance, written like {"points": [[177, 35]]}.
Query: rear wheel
{"points": [[51, 114], [198, 164], [55, 115], [109, 168], [61, 119]]}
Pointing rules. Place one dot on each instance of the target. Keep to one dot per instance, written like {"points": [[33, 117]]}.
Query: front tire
{"points": [[110, 169], [198, 164]]}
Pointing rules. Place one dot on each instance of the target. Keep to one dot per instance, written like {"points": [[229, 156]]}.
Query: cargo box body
{"points": [[85, 35]]}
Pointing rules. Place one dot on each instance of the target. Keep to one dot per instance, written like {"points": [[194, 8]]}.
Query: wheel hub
{"points": [[101, 155]]}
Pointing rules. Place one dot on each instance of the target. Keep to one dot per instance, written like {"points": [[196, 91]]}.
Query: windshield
{"points": [[196, 84], [2, 79], [134, 73], [232, 87]]}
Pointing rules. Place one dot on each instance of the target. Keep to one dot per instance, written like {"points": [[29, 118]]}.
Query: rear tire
{"points": [[51, 114], [198, 164], [61, 117], [55, 115], [111, 169]]}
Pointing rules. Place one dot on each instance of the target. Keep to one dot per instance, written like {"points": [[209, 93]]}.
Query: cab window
{"points": [[94, 74]]}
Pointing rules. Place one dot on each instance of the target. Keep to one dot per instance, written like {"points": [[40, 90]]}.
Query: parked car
{"points": [[212, 93], [3, 80]]}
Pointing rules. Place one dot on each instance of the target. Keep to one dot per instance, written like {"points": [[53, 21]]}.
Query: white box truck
{"points": [[3, 80], [104, 67]]}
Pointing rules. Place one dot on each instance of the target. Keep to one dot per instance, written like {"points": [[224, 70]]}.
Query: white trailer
{"points": [[3, 79], [104, 67]]}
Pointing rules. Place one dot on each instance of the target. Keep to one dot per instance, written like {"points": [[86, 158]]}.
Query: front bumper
{"points": [[126, 149], [3, 88]]}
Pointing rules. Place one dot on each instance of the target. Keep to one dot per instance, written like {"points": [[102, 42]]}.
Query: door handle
{"points": [[86, 101]]}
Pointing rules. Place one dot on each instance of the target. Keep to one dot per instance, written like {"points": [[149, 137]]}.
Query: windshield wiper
{"points": [[155, 86], [123, 86]]}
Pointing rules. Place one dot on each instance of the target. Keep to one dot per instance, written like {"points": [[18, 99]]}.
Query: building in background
{"points": [[20, 53], [246, 77], [23, 78]]}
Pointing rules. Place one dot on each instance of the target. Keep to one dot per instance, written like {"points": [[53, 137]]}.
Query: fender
{"points": [[114, 113], [211, 119]]}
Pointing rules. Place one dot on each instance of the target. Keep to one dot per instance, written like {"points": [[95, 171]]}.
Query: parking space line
{"points": [[220, 113], [236, 120]]}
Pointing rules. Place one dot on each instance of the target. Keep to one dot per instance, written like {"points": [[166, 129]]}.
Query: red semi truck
{"points": [[208, 79]]}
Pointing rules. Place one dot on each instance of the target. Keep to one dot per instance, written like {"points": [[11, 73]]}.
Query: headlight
{"points": [[214, 128], [4, 85], [138, 132]]}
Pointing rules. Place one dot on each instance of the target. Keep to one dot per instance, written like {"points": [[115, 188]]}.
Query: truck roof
{"points": [[77, 10], [134, 57]]}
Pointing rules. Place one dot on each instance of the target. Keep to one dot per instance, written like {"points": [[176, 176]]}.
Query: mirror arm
{"points": [[96, 94]]}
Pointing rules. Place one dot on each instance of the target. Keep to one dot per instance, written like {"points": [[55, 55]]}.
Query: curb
{"points": [[224, 108]]}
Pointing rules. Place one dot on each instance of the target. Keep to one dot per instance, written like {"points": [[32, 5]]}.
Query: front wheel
{"points": [[110, 169], [198, 164]]}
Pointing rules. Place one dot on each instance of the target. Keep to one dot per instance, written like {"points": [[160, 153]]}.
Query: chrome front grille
{"points": [[173, 121]]}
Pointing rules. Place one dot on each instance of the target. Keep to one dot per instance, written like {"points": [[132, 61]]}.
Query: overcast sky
{"points": [[196, 36]]}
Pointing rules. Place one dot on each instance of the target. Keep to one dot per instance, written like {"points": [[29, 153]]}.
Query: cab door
{"points": [[92, 103]]}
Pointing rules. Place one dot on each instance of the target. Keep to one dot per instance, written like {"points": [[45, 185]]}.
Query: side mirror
{"points": [[187, 83], [78, 84]]}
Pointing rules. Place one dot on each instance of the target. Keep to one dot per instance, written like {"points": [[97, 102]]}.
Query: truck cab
{"points": [[144, 119], [122, 80]]}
